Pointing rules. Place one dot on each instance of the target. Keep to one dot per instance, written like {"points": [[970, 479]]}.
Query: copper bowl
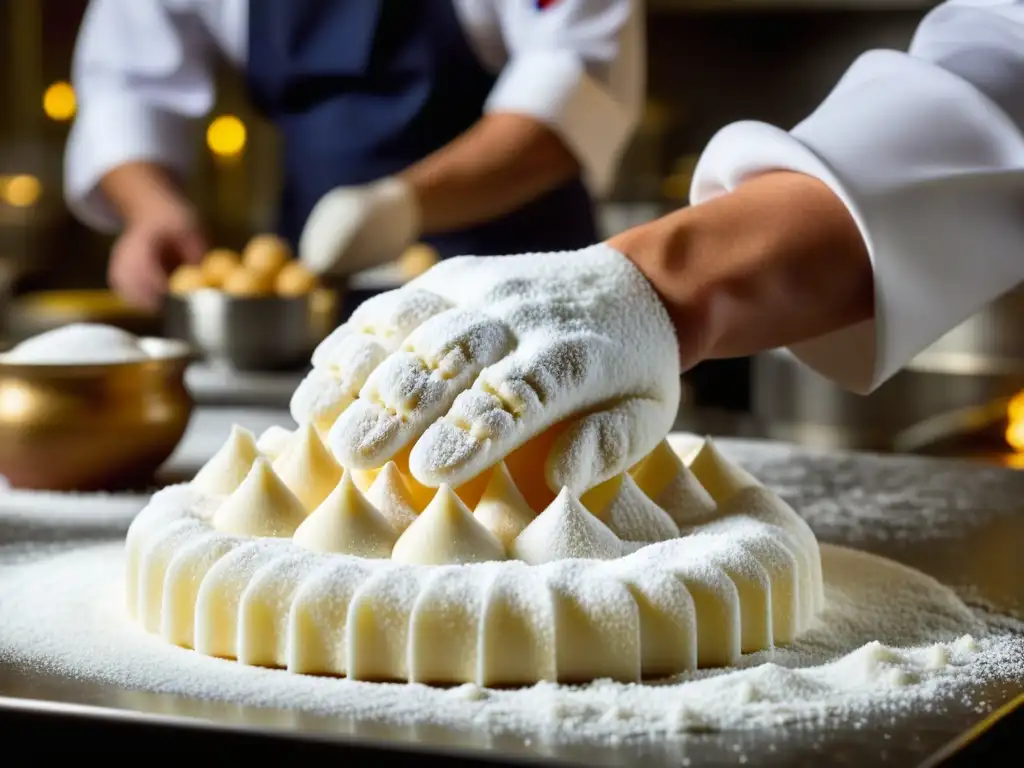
{"points": [[92, 427]]}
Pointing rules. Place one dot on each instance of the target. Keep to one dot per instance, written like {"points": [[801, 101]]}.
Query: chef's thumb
{"points": [[599, 445]]}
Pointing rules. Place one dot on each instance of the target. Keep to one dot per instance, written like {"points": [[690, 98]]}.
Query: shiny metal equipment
{"points": [[91, 427], [262, 333], [978, 363]]}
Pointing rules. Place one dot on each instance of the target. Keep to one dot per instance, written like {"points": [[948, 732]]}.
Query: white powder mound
{"points": [[81, 343], [90, 344], [892, 641], [157, 348]]}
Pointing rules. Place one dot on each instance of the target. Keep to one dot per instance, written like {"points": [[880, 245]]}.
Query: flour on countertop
{"points": [[891, 641]]}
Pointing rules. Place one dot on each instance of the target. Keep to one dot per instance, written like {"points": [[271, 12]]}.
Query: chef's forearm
{"points": [[777, 261], [503, 162], [141, 189]]}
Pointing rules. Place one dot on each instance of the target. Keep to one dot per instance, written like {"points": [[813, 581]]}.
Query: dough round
{"points": [[267, 254], [588, 598], [244, 282], [295, 280], [218, 264], [186, 279], [416, 260]]}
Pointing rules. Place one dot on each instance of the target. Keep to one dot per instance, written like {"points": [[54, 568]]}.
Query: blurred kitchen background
{"points": [[710, 62]]}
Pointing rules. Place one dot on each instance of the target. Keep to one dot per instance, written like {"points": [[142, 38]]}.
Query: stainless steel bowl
{"points": [[253, 333], [975, 364]]}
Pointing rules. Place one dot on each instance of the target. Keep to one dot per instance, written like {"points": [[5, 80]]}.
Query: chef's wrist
{"points": [[660, 251], [142, 191], [776, 261], [503, 162]]}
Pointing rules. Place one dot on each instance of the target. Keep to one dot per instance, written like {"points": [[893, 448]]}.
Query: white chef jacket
{"points": [[142, 71], [926, 150]]}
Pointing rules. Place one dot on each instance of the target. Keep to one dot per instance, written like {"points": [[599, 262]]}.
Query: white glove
{"points": [[479, 355], [355, 228]]}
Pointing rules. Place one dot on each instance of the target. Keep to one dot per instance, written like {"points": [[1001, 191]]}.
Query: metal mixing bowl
{"points": [[253, 334], [91, 427]]}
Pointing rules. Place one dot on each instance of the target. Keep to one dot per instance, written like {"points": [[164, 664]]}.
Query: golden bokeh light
{"points": [[59, 101], [21, 191], [1015, 426], [226, 136]]}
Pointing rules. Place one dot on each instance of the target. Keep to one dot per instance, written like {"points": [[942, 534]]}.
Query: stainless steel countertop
{"points": [[961, 523]]}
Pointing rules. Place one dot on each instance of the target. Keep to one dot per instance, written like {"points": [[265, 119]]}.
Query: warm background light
{"points": [[226, 136], [59, 101], [20, 191], [1015, 427]]}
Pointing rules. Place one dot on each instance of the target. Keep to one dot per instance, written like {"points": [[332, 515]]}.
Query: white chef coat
{"points": [[142, 70], [926, 150]]}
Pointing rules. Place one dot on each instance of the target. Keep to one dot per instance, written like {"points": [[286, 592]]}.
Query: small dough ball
{"points": [[416, 260], [248, 282], [186, 279], [266, 253], [295, 280], [218, 264]]}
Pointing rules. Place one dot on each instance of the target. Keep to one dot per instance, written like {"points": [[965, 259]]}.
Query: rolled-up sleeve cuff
{"points": [[109, 134], [555, 88], [925, 164]]}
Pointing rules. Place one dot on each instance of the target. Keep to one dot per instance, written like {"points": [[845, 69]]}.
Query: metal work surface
{"points": [[962, 524]]}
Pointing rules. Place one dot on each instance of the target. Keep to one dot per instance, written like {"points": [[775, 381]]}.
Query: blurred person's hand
{"points": [[356, 228], [152, 246], [161, 232]]}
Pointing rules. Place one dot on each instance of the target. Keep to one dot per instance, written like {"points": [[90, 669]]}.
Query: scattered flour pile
{"points": [[890, 641]]}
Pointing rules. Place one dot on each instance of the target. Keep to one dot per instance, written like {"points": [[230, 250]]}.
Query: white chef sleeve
{"points": [[578, 66], [140, 71], [925, 148]]}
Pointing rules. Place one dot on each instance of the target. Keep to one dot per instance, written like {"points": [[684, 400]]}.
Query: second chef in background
{"points": [[478, 126]]}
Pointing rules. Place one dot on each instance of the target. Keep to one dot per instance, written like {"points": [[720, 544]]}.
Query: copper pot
{"points": [[91, 427]]}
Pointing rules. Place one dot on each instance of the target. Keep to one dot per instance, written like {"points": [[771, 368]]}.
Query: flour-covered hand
{"points": [[479, 355], [355, 228]]}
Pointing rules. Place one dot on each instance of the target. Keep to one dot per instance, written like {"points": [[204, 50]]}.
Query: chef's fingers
{"points": [[388, 317], [599, 445], [136, 276], [511, 402], [417, 385], [328, 390]]}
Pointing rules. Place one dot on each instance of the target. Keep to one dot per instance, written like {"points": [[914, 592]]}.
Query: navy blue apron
{"points": [[362, 89]]}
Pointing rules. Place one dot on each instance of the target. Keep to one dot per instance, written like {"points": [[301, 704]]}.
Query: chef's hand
{"points": [[148, 250], [479, 355], [355, 228], [161, 232]]}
